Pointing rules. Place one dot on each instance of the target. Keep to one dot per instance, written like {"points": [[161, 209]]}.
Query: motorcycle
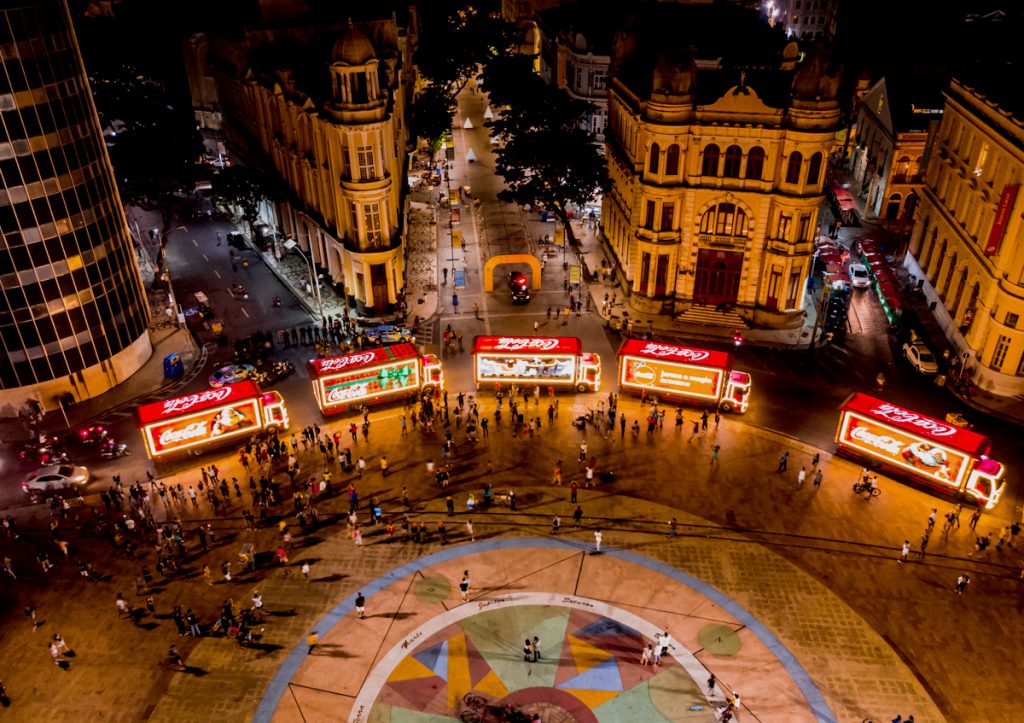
{"points": [[113, 450], [276, 302], [238, 289]]}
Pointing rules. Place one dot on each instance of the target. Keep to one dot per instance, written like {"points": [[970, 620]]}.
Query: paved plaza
{"points": [[784, 593]]}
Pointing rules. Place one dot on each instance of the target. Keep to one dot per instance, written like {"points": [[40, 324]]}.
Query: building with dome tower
{"points": [[719, 133], [324, 108]]}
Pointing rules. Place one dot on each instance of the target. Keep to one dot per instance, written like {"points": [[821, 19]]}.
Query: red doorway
{"points": [[718, 276]]}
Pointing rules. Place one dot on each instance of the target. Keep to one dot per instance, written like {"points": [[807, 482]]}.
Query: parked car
{"points": [[231, 374], [54, 478], [859, 276], [835, 317], [519, 287], [920, 357], [389, 334]]}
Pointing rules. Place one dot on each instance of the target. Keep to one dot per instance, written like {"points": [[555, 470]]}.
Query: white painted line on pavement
{"points": [[217, 273], [195, 243], [206, 258], [245, 312], [183, 228]]}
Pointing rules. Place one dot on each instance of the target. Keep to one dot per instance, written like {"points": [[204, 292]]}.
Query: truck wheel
{"points": [[581, 387], [726, 407]]}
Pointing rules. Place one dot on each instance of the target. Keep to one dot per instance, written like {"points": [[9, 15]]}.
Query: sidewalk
{"points": [[146, 382]]}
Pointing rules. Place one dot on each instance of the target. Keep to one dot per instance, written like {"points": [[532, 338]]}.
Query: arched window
{"points": [[724, 219], [901, 170], [755, 163], [710, 165], [814, 169], [652, 166], [959, 293], [672, 160], [733, 159], [796, 160]]}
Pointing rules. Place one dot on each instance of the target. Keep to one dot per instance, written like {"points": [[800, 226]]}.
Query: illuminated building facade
{"points": [[896, 122], [804, 19], [717, 166], [73, 311], [967, 247], [325, 108], [575, 54]]}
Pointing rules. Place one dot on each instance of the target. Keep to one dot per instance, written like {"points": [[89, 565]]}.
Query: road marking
{"points": [[206, 258], [183, 228], [245, 312], [217, 273], [195, 243]]}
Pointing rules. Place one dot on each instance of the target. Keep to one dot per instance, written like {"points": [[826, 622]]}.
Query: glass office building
{"points": [[73, 310]]}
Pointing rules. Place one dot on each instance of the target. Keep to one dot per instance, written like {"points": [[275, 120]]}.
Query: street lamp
{"points": [[292, 245]]}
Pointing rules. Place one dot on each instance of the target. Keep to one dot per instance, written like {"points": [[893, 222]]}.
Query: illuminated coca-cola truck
{"points": [[375, 375], [919, 448], [535, 360], [683, 374], [204, 419]]}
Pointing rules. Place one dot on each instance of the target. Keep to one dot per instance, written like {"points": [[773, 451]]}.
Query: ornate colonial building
{"points": [[73, 311], [326, 109], [967, 248], [717, 148], [896, 123], [574, 54]]}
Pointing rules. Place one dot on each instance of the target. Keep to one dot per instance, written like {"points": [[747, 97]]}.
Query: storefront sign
{"points": [[918, 455], [672, 378], [1003, 211], [198, 428]]}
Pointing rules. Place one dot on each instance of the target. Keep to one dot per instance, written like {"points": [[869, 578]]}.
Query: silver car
{"points": [[55, 477]]}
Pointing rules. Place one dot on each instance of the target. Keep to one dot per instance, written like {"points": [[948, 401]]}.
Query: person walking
{"points": [[556, 524], [801, 476], [975, 517], [469, 531], [598, 537], [383, 465], [647, 655], [904, 552], [573, 491], [783, 462], [464, 586], [535, 644], [30, 613], [817, 478], [924, 543], [122, 606], [305, 571], [961, 583], [357, 537], [360, 606], [527, 651], [556, 476], [577, 515]]}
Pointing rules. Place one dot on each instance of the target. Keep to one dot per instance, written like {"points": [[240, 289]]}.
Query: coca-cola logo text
{"points": [[518, 343], [879, 441], [681, 352], [899, 415], [340, 362], [342, 394], [177, 436], [181, 404]]}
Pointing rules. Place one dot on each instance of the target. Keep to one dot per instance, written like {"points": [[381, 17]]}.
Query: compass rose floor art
{"points": [[423, 654]]}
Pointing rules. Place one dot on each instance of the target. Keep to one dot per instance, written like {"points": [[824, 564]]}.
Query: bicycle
{"points": [[862, 487]]}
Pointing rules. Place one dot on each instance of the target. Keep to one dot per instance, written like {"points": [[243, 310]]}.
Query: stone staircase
{"points": [[707, 316]]}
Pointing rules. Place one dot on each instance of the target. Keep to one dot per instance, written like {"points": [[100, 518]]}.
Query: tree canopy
{"points": [[432, 114], [242, 187], [544, 154], [154, 146]]}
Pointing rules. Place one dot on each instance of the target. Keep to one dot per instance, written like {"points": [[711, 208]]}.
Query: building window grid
{"points": [[999, 352], [51, 343], [364, 156]]}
